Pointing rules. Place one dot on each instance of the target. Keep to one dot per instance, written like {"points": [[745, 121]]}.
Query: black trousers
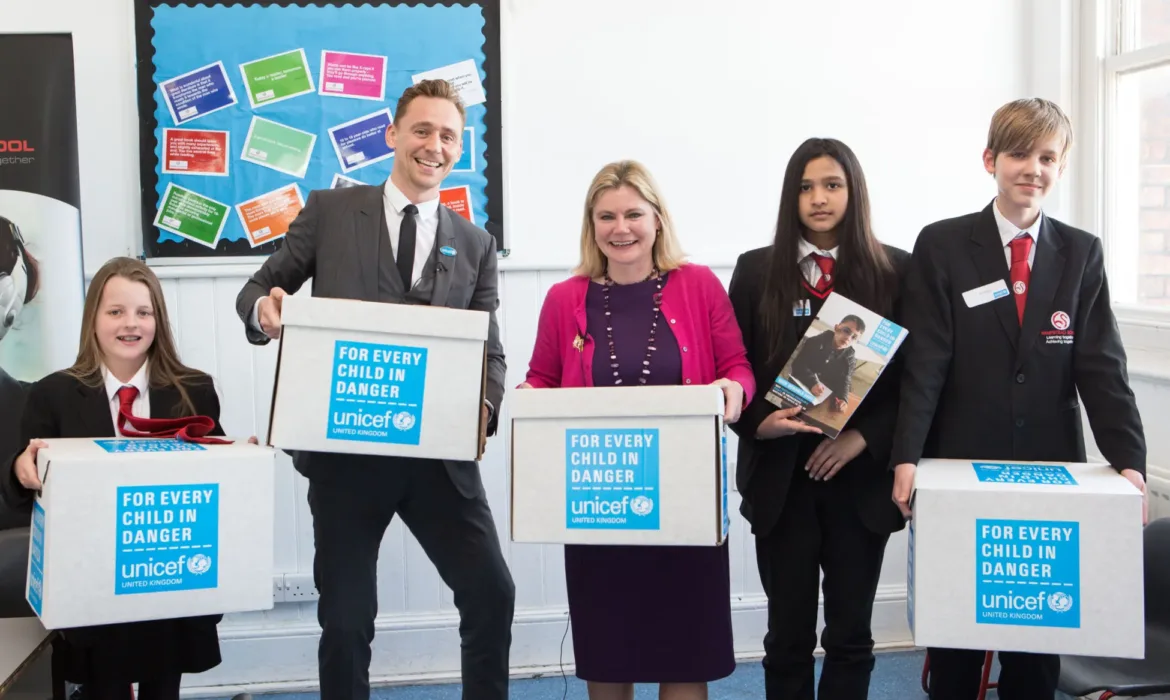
{"points": [[955, 674], [351, 510], [819, 530]]}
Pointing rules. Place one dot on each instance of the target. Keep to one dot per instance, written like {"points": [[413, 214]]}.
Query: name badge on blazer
{"points": [[988, 292]]}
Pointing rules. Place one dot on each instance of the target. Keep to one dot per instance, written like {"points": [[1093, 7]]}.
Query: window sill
{"points": [[1144, 316], [1145, 333]]}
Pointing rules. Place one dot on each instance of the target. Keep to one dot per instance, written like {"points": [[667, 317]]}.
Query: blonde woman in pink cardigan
{"points": [[635, 314]]}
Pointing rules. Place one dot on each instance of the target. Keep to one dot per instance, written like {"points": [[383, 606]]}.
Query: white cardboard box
{"points": [[1036, 557], [143, 529], [619, 465], [362, 377]]}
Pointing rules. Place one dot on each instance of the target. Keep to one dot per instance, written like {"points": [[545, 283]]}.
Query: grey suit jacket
{"points": [[334, 241]]}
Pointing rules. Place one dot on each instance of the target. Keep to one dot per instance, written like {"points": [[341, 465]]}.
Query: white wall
{"points": [[716, 97], [713, 98]]}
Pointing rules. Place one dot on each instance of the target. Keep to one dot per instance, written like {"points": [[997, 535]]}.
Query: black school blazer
{"points": [[765, 467], [979, 385]]}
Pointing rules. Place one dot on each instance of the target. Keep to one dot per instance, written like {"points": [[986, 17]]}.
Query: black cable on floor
{"points": [[564, 677]]}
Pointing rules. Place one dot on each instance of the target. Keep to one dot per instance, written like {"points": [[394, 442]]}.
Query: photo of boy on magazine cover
{"points": [[837, 362], [824, 364]]}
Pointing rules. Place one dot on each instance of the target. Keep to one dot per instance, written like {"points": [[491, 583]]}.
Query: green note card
{"points": [[189, 214], [282, 148], [274, 78]]}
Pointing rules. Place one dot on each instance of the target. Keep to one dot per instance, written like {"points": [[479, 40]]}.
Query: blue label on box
{"points": [[168, 538], [611, 479], [1028, 573], [377, 393], [149, 445], [884, 337], [997, 473], [198, 93], [36, 557]]}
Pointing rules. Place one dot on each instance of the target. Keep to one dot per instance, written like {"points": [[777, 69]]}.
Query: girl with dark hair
{"points": [[813, 503]]}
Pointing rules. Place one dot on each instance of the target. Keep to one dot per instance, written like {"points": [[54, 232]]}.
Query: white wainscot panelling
{"points": [[417, 622]]}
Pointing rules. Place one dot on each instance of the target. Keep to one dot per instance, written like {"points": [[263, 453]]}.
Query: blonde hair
{"points": [[439, 89], [1019, 124], [668, 254], [165, 368]]}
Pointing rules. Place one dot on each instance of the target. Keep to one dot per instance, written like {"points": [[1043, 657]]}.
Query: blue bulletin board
{"points": [[245, 107]]}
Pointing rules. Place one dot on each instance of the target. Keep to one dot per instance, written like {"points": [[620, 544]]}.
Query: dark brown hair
{"points": [[439, 89], [863, 271]]}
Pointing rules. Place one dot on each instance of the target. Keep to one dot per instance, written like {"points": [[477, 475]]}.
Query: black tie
{"points": [[406, 232]]}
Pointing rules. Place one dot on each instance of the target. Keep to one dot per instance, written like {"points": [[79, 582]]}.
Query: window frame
{"points": [[1103, 39]]}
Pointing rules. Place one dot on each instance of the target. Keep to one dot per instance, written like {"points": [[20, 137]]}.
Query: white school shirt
{"points": [[808, 266], [141, 406], [1008, 232]]}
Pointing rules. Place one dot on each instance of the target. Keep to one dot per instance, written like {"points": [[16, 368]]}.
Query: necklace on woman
{"points": [[650, 348]]}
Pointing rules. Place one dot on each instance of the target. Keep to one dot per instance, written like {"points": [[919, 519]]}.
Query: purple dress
{"points": [[646, 614]]}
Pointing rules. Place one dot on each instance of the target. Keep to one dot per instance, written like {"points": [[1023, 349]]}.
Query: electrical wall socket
{"points": [[293, 588], [299, 588]]}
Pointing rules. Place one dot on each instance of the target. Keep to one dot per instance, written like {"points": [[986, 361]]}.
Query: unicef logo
{"points": [[199, 564], [1060, 602], [641, 505], [404, 420]]}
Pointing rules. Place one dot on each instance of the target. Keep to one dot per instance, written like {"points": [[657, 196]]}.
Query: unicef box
{"points": [[379, 379], [143, 529], [1026, 557], [619, 465]]}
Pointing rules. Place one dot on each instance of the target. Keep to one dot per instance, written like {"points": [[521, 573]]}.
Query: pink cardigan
{"points": [[695, 305]]}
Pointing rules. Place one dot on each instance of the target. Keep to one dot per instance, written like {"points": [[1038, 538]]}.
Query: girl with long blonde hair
{"points": [[127, 372]]}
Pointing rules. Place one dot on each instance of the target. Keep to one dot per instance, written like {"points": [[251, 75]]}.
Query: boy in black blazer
{"points": [[826, 362], [1009, 318]]}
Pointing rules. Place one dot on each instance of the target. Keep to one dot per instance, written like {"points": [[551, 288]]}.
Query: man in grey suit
{"points": [[396, 244]]}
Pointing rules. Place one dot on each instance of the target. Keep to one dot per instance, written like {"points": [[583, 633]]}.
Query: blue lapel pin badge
{"points": [[448, 251]]}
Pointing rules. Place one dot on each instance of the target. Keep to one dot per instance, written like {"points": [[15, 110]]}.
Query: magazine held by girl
{"points": [[842, 354]]}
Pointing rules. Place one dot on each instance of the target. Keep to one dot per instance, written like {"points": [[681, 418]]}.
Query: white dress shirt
{"points": [[808, 265], [141, 406], [426, 229], [1008, 232], [427, 219]]}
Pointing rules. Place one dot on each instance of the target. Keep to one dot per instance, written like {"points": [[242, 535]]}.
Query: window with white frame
{"points": [[1132, 108]]}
